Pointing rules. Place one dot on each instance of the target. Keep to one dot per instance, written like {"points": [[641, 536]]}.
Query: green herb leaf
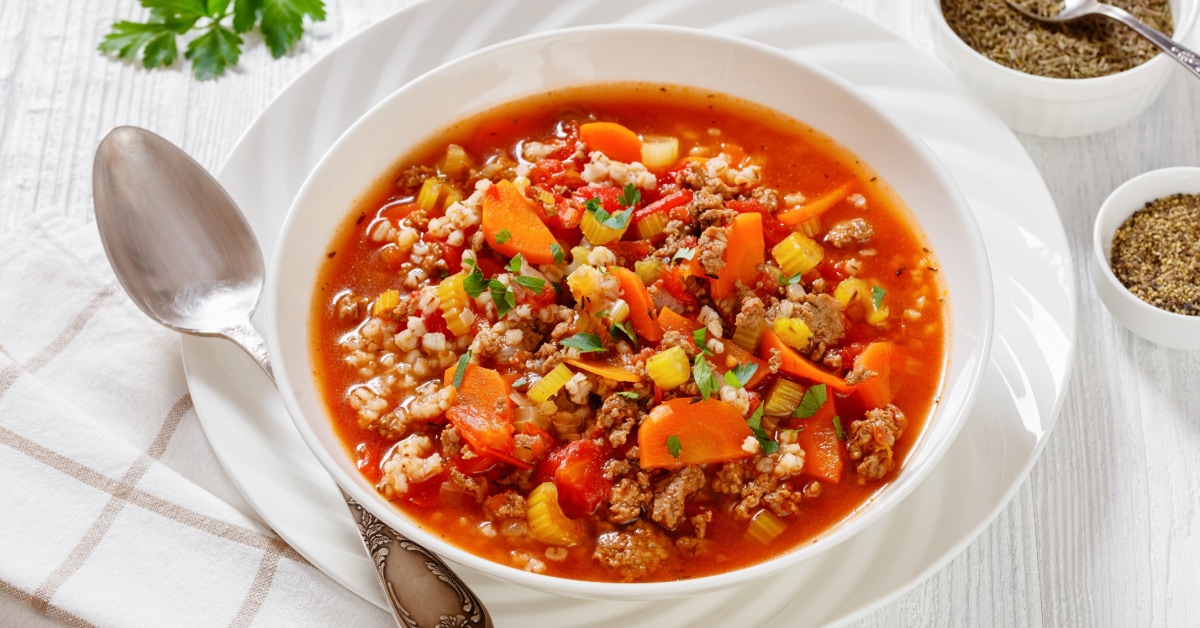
{"points": [[514, 264], [283, 22], [812, 401], [784, 280], [474, 283], [768, 445], [700, 338], [630, 195], [625, 328], [502, 297], [740, 375], [213, 51], [217, 43], [619, 220], [503, 237], [683, 253], [837, 426], [537, 284], [557, 250], [461, 369], [628, 394], [520, 382], [877, 293], [674, 447], [705, 380], [585, 342]]}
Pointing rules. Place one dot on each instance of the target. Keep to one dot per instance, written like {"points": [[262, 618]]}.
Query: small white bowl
{"points": [[596, 56], [1055, 107], [1154, 324]]}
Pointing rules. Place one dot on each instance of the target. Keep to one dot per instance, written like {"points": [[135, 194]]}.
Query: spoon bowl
{"points": [[187, 257]]}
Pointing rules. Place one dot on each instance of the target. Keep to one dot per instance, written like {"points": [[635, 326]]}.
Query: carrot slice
{"points": [[641, 307], [875, 392], [615, 140], [505, 208], [608, 369], [815, 207], [743, 255], [705, 431], [482, 388], [823, 457], [798, 365]]}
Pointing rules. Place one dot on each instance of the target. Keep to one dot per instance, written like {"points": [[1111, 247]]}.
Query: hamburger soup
{"points": [[630, 333]]}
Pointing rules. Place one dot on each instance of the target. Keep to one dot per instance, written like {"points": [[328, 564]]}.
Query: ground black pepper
{"points": [[1156, 253], [1089, 47]]}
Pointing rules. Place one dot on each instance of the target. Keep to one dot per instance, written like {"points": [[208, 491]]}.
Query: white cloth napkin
{"points": [[113, 508]]}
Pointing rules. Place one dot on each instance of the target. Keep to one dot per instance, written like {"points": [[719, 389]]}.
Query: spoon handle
{"points": [[252, 342], [422, 590], [1172, 48]]}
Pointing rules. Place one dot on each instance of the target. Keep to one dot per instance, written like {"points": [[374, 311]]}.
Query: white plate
{"points": [[1022, 391]]}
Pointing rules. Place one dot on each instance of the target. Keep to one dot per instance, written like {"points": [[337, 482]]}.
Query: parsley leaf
{"points": [[585, 342], [877, 294], [217, 28], [740, 375], [812, 401], [699, 337], [625, 328], [557, 250], [787, 281], [630, 195], [837, 425], [474, 283], [674, 447], [537, 284], [619, 220], [768, 445], [503, 237], [502, 297], [705, 380], [684, 253], [628, 394], [461, 369]]}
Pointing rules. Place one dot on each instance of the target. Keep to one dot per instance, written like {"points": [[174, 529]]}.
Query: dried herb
{"points": [[1085, 48]]}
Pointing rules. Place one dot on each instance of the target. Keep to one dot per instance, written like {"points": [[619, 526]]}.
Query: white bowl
{"points": [[607, 54], [1154, 324], [1055, 107]]}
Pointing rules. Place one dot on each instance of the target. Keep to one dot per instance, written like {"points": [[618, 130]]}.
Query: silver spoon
{"points": [[187, 257], [1074, 9]]}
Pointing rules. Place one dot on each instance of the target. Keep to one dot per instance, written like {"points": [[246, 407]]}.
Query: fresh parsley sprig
{"points": [[220, 24]]}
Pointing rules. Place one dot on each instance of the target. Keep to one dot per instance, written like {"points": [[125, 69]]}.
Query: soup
{"points": [[637, 333]]}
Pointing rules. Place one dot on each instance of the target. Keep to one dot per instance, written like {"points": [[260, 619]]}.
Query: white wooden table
{"points": [[1103, 533]]}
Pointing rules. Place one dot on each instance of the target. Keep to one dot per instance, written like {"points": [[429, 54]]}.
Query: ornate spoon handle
{"points": [[1172, 48], [422, 590]]}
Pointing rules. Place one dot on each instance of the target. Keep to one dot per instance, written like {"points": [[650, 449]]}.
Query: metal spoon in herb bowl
{"points": [[1070, 10], [187, 257]]}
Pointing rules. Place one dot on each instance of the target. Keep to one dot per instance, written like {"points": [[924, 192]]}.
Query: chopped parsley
{"points": [[784, 280], [619, 220], [812, 401], [699, 337], [514, 264], [837, 425], [626, 329], [557, 251], [537, 284], [740, 375], [630, 195], [585, 342], [502, 297], [461, 369], [628, 394], [474, 283], [705, 380], [769, 446], [503, 237], [520, 382], [674, 447], [877, 294]]}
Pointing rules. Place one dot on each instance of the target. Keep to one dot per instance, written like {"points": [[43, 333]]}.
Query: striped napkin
{"points": [[113, 508]]}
